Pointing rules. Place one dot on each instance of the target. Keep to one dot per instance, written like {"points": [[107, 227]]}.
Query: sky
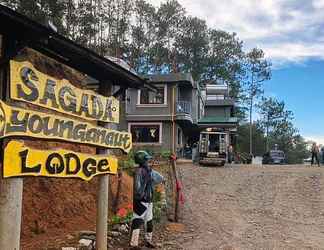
{"points": [[291, 33]]}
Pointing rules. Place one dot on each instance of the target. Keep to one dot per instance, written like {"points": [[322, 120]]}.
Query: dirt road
{"points": [[252, 207]]}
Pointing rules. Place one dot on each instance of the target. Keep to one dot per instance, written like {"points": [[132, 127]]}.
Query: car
{"points": [[307, 160], [274, 157]]}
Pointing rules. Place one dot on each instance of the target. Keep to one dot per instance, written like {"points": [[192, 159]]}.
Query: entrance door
{"points": [[217, 142]]}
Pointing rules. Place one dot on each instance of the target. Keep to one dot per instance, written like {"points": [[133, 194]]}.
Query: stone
{"points": [[123, 228], [70, 237], [114, 234], [85, 242], [86, 232]]}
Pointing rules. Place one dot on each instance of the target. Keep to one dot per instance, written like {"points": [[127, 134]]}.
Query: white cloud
{"points": [[319, 4], [319, 139], [288, 31]]}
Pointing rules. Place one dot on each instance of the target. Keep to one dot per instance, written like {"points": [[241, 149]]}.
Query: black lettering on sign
{"points": [[16, 125], [97, 107], [49, 94], [69, 157], [79, 132], [67, 93], [19, 122], [20, 160], [30, 85], [101, 164], [84, 106], [27, 76], [24, 167], [35, 124], [53, 130], [89, 167], [54, 164], [108, 114]]}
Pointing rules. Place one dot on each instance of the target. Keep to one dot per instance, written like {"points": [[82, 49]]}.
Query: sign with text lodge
{"points": [[20, 160], [32, 86], [20, 122]]}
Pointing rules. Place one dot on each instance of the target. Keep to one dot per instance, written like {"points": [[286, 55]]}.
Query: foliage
{"points": [[243, 145], [157, 206], [166, 154], [272, 114], [257, 70], [123, 215]]}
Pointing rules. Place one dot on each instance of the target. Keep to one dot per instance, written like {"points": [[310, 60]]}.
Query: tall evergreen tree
{"points": [[272, 112], [257, 70], [168, 22], [191, 46]]}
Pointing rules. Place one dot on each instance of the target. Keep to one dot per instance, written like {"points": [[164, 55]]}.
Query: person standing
{"points": [[230, 154], [322, 151], [144, 181], [194, 153], [315, 153]]}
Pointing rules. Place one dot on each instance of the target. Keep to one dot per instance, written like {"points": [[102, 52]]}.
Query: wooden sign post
{"points": [[10, 212], [31, 86], [103, 192]]}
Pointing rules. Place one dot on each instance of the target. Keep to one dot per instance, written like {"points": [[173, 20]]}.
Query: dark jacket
{"points": [[145, 180]]}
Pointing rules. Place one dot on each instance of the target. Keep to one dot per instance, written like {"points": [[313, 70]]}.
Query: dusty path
{"points": [[252, 207]]}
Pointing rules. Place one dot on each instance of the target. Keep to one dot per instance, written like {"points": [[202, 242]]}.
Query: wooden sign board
{"points": [[20, 122], [30, 85], [20, 160]]}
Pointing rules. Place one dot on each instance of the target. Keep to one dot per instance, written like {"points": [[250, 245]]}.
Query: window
{"points": [[146, 133], [146, 96], [179, 137]]}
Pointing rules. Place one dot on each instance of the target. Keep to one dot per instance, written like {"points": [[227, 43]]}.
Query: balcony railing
{"points": [[220, 102], [183, 107]]}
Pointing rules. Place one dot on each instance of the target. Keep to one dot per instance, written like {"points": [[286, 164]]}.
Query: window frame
{"points": [[130, 124], [165, 101]]}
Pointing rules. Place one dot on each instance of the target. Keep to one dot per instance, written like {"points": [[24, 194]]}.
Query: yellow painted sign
{"points": [[20, 122], [20, 160], [32, 86]]}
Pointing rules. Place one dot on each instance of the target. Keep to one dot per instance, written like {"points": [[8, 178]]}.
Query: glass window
{"points": [[145, 133], [150, 97], [179, 136]]}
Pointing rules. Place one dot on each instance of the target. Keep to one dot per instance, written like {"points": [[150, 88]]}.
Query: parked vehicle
{"points": [[274, 157], [212, 148]]}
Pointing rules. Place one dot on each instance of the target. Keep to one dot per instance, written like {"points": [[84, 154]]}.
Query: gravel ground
{"points": [[251, 207]]}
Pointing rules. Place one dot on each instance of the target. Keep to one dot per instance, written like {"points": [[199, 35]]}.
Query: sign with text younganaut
{"points": [[20, 160], [30, 85], [21, 122]]}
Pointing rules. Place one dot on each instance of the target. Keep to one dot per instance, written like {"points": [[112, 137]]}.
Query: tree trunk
{"points": [[251, 107]]}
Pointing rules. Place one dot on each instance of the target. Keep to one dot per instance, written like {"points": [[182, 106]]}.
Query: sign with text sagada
{"points": [[21, 122], [20, 160], [30, 85]]}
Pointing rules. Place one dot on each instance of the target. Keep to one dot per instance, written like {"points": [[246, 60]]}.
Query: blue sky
{"points": [[291, 32], [302, 88]]}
